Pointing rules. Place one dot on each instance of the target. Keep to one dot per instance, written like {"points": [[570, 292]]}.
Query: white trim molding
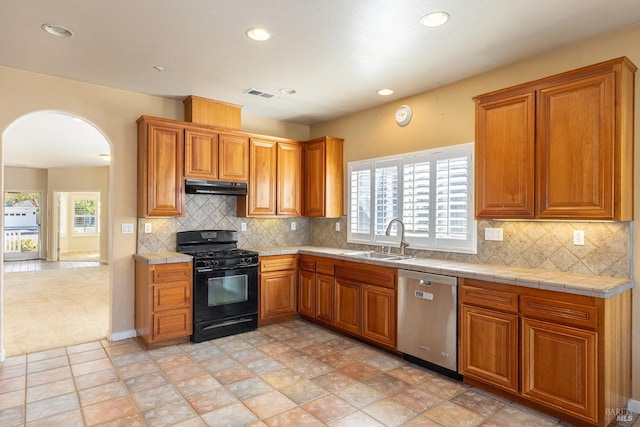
{"points": [[123, 335]]}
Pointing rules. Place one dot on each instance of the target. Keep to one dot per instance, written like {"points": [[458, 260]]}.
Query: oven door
{"points": [[222, 294]]}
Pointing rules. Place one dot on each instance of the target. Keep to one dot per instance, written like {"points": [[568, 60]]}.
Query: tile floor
{"points": [[289, 374]]}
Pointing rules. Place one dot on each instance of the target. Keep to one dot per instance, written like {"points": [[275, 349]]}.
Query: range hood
{"points": [[194, 186]]}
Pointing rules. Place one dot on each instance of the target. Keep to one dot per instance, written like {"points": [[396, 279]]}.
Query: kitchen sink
{"points": [[374, 255]]}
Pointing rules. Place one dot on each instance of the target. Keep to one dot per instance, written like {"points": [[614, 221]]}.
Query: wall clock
{"points": [[403, 115]]}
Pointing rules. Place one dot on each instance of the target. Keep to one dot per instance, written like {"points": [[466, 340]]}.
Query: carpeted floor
{"points": [[55, 308]]}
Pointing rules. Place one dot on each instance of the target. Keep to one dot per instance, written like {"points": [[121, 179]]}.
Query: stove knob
{"points": [[215, 262]]}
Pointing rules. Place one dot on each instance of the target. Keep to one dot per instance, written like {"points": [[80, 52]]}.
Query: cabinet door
{"points": [[348, 305], [575, 149], [262, 178], [379, 314], [314, 193], [289, 194], [277, 293], [559, 367], [324, 298], [307, 293], [233, 158], [172, 324], [200, 154], [160, 151], [505, 154], [489, 346]]}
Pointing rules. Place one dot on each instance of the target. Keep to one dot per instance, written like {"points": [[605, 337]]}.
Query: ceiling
{"points": [[335, 53]]}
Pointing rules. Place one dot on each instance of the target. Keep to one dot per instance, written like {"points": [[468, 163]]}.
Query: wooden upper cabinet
{"points": [[572, 132], [576, 148], [275, 183], [324, 181], [233, 158], [505, 153], [160, 168], [262, 177], [289, 182], [200, 154]]}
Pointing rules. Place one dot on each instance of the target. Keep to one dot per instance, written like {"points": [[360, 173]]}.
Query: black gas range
{"points": [[225, 283]]}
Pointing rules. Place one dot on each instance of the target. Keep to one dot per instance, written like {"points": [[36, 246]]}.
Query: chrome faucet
{"points": [[403, 243]]}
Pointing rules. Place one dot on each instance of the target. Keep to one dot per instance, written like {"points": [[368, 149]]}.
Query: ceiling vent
{"points": [[260, 93]]}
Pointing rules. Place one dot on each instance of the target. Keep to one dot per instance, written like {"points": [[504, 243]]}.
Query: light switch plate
{"points": [[494, 234], [127, 228]]}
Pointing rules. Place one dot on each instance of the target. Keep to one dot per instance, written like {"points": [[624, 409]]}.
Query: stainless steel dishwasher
{"points": [[427, 318]]}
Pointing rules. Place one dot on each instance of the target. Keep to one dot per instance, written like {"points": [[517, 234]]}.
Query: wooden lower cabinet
{"points": [[163, 308], [277, 291], [379, 314], [489, 346], [348, 304], [563, 353], [325, 287], [307, 293], [560, 367]]}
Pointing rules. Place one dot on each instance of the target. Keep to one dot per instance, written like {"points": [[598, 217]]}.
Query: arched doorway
{"points": [[54, 153]]}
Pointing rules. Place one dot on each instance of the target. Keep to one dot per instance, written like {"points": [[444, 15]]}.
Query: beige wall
{"points": [[114, 112], [75, 180], [445, 116]]}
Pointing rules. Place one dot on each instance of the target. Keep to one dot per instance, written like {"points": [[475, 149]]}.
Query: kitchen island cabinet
{"points": [[559, 147], [163, 307], [572, 352]]}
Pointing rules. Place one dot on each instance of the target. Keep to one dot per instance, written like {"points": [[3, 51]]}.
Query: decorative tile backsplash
{"points": [[219, 213], [545, 245]]}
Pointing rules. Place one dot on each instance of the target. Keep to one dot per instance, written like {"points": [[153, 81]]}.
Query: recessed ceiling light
{"points": [[258, 34], [385, 92], [159, 68], [435, 19], [287, 91], [56, 30]]}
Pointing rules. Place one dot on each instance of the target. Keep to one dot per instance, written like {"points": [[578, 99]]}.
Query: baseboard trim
{"points": [[634, 406], [123, 335]]}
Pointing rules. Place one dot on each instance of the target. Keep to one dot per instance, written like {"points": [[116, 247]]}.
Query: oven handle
{"points": [[228, 323], [204, 270]]}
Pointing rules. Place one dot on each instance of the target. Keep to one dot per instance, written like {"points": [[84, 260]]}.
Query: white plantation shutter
{"points": [[431, 191]]}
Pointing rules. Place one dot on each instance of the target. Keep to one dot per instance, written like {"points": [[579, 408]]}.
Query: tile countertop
{"points": [[162, 257], [580, 284]]}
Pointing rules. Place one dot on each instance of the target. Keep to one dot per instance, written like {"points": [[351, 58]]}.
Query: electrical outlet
{"points": [[493, 234], [243, 226], [148, 228], [337, 226], [578, 237], [293, 226]]}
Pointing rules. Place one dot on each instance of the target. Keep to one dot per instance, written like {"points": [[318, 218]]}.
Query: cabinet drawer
{"points": [[367, 273], [306, 263], [564, 312], [278, 263], [172, 324], [490, 298], [324, 266], [171, 272], [171, 296]]}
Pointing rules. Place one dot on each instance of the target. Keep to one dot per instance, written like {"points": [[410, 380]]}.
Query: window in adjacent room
{"points": [[430, 191], [86, 215]]}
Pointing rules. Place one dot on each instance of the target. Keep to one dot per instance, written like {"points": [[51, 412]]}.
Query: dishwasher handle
{"points": [[426, 279]]}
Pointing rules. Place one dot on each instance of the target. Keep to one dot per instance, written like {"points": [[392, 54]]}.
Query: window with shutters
{"points": [[430, 191]]}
